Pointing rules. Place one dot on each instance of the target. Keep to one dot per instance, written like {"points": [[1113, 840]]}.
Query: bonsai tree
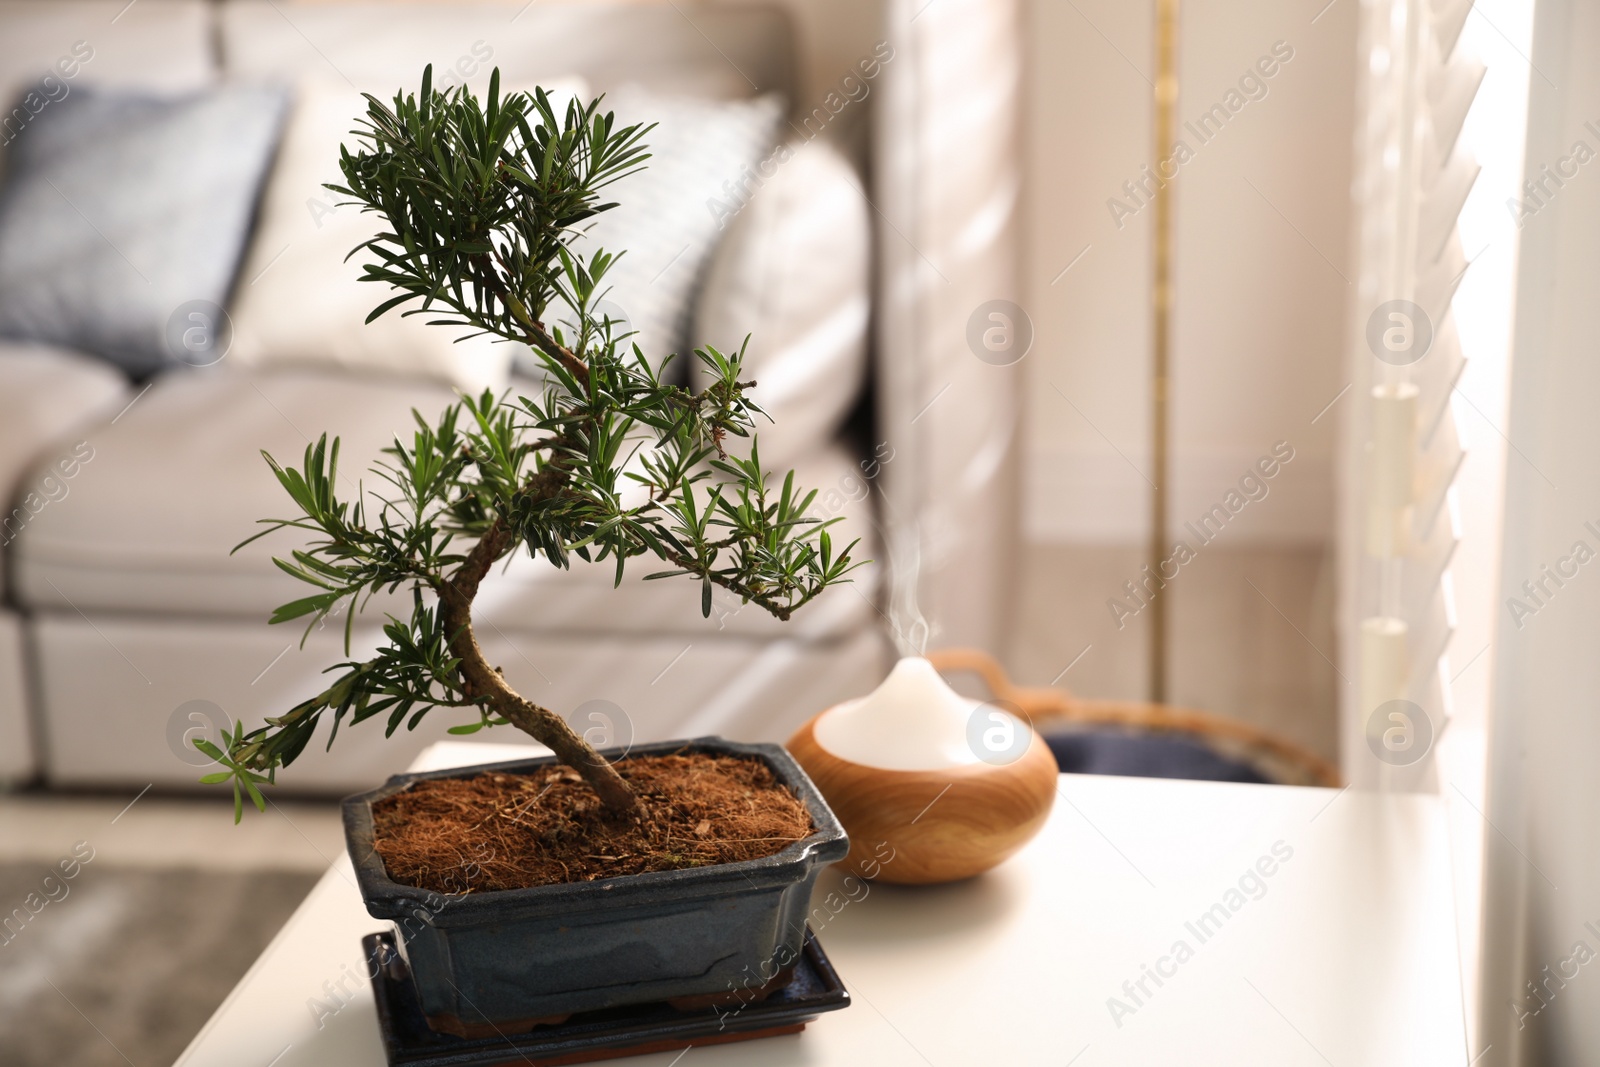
{"points": [[482, 203]]}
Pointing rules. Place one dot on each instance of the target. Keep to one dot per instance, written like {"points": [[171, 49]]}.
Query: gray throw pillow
{"points": [[705, 156], [124, 216]]}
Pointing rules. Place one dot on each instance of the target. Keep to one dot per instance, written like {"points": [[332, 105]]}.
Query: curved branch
{"points": [[484, 684], [540, 338], [776, 608], [537, 335]]}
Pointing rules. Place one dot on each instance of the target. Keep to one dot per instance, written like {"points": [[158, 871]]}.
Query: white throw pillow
{"points": [[670, 215], [298, 301], [793, 272]]}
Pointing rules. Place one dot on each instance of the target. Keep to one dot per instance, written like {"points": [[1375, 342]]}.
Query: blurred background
{"points": [[1109, 380]]}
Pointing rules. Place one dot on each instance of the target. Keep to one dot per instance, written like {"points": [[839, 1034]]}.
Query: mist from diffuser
{"points": [[911, 722]]}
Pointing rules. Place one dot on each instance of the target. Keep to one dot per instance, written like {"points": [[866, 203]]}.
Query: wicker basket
{"points": [[1047, 708]]}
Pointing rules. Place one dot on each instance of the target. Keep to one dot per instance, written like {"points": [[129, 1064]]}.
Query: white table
{"points": [[1346, 957]]}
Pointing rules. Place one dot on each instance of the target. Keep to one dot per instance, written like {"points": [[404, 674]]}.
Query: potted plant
{"points": [[661, 891]]}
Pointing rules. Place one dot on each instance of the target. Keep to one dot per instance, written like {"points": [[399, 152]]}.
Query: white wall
{"points": [[1260, 236]]}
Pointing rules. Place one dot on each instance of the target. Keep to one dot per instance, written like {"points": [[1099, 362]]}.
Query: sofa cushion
{"points": [[123, 218], [793, 274], [668, 217], [49, 399], [179, 480]]}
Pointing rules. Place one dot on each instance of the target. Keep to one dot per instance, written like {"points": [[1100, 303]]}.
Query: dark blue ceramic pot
{"points": [[504, 961]]}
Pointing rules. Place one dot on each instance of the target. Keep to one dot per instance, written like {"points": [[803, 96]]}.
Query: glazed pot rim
{"points": [[388, 899]]}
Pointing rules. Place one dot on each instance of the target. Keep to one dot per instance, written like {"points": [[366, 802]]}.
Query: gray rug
{"points": [[127, 966]]}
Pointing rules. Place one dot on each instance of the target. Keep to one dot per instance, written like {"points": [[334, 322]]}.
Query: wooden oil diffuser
{"points": [[951, 785]]}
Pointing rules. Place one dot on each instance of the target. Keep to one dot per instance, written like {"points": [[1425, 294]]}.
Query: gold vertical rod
{"points": [[1166, 121]]}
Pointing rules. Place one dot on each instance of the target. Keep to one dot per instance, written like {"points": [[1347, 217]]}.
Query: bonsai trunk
{"points": [[487, 685]]}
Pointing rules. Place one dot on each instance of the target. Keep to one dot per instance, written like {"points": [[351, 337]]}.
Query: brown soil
{"points": [[512, 831]]}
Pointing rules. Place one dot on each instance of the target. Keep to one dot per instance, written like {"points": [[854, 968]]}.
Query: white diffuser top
{"points": [[912, 722]]}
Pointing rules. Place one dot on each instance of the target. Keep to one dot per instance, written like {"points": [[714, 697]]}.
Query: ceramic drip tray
{"points": [[596, 1035]]}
